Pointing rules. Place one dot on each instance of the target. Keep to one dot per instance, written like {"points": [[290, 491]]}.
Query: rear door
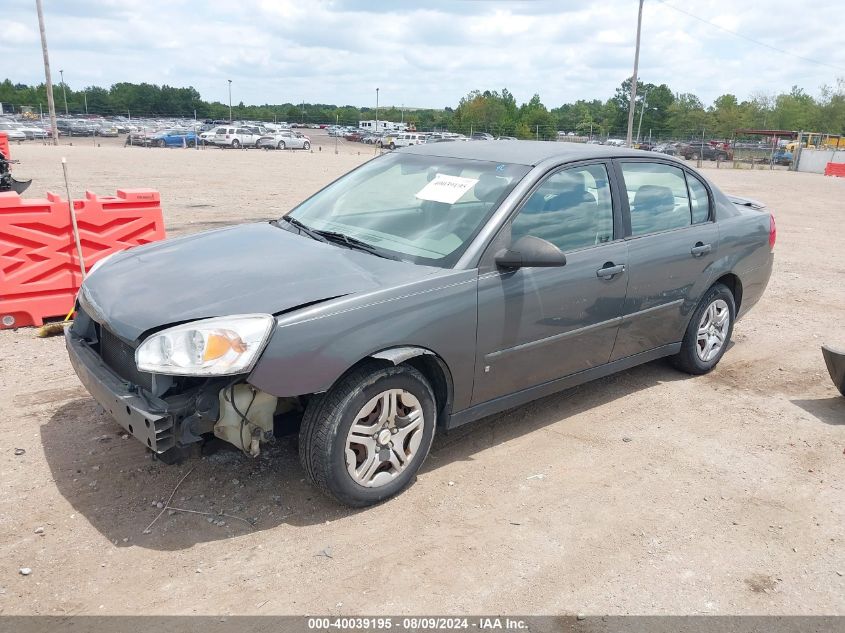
{"points": [[539, 324], [672, 243]]}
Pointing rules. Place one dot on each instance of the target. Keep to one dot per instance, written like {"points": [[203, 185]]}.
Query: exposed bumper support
{"points": [[149, 419]]}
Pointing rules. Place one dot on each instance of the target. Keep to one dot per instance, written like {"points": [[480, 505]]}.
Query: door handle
{"points": [[609, 270], [700, 249]]}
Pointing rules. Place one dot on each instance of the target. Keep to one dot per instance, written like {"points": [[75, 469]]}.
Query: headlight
{"points": [[211, 347]]}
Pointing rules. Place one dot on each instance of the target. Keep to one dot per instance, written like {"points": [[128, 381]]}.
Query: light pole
{"points": [[376, 110], [85, 96], [631, 102], [642, 109], [230, 100], [64, 92]]}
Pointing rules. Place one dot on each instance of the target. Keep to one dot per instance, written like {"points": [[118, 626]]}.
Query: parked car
{"points": [[108, 132], [670, 149], [482, 136], [286, 139], [402, 139], [31, 131], [427, 288], [12, 131], [174, 138], [705, 151], [781, 157], [235, 137]]}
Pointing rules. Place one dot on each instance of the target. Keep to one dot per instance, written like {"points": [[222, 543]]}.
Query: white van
{"points": [[403, 139]]}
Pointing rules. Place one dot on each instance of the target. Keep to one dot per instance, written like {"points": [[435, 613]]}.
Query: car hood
{"points": [[253, 268]]}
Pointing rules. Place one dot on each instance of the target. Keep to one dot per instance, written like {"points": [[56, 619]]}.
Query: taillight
{"points": [[773, 232]]}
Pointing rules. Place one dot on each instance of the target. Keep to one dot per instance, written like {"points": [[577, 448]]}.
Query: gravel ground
{"points": [[648, 492]]}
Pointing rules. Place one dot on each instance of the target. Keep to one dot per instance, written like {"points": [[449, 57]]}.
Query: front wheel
{"points": [[392, 146], [162, 143], [236, 144], [306, 145], [281, 145], [708, 333], [365, 439]]}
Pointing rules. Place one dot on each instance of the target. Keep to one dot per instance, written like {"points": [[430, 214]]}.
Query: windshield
{"points": [[422, 209]]}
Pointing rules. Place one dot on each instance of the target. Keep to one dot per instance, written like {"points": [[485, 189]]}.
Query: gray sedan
{"points": [[426, 289]]}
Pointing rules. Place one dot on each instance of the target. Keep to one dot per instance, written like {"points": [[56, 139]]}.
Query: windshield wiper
{"points": [[354, 242], [314, 235]]}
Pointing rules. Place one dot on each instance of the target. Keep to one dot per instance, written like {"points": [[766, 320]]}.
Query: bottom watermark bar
{"points": [[424, 624]]}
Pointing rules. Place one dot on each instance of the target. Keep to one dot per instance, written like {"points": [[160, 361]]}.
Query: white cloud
{"points": [[426, 53]]}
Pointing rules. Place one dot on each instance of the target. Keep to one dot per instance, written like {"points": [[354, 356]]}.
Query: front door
{"points": [[539, 324]]}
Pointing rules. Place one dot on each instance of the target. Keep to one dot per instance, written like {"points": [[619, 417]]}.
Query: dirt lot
{"points": [[646, 492]]}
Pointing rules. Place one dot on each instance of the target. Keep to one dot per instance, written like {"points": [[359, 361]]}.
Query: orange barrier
{"points": [[39, 266], [835, 169], [4, 146]]}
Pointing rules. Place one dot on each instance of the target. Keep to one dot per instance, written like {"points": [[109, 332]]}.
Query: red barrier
{"points": [[835, 169], [39, 267], [4, 145]]}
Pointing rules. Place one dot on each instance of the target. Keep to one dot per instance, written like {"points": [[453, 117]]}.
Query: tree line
{"points": [[660, 113]]}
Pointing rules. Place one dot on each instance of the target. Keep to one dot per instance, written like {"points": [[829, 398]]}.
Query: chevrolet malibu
{"points": [[428, 288]]}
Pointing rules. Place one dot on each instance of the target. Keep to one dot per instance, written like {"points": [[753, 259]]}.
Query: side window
{"points": [[572, 209], [699, 201], [657, 197]]}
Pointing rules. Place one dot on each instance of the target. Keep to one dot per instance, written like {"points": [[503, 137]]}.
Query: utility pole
{"points": [[64, 92], [51, 106], [376, 110], [631, 104], [230, 100], [85, 96]]}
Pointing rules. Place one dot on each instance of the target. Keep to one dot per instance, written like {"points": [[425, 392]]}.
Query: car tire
{"points": [[694, 156], [162, 143], [392, 146], [281, 145], [327, 443], [306, 145], [707, 337], [235, 143]]}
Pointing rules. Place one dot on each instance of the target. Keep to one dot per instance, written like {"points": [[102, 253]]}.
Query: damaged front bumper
{"points": [[160, 424]]}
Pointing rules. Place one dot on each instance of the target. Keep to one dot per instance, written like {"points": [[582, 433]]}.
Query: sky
{"points": [[427, 53]]}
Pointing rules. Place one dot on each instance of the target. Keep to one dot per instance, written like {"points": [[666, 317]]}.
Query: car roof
{"points": [[525, 152]]}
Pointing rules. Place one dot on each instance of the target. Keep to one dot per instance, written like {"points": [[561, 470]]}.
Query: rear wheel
{"points": [[392, 146], [366, 438], [708, 333], [281, 145]]}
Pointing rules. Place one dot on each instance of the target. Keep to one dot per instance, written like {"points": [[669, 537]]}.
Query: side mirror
{"points": [[530, 251]]}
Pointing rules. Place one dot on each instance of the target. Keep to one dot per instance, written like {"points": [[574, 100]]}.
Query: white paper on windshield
{"points": [[445, 188]]}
